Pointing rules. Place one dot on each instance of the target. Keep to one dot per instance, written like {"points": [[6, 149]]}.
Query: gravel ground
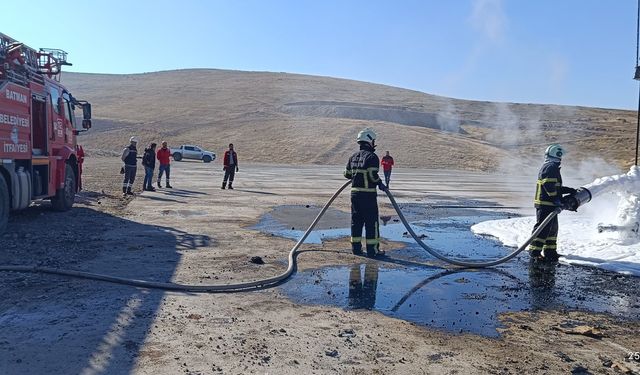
{"points": [[197, 233]]}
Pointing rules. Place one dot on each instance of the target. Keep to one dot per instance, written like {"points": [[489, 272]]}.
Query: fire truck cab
{"points": [[39, 156]]}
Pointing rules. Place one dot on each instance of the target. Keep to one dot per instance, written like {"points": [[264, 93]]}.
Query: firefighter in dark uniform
{"points": [[549, 191], [362, 170]]}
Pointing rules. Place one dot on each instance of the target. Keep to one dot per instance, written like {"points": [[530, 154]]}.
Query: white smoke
{"points": [[447, 119], [488, 17]]}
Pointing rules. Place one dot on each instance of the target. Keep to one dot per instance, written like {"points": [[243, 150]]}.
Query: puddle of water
{"points": [[292, 221], [459, 301], [456, 301], [450, 236]]}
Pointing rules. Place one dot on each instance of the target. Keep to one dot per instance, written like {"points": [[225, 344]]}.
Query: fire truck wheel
{"points": [[63, 201], [4, 204]]}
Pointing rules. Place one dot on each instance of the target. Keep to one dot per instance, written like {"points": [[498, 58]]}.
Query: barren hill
{"points": [[300, 119]]}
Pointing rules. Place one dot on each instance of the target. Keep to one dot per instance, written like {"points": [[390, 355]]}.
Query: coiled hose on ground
{"points": [[275, 280]]}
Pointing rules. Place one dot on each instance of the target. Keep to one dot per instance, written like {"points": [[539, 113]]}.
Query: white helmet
{"points": [[366, 135], [555, 151], [133, 139]]}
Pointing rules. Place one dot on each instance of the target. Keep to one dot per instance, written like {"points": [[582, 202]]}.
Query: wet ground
{"points": [[199, 234], [410, 284]]}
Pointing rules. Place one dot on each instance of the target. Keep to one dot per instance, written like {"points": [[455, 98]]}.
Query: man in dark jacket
{"points": [[149, 163], [129, 158], [230, 162], [549, 191], [362, 169]]}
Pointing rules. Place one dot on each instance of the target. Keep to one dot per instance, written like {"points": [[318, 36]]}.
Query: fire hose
{"points": [[275, 280]]}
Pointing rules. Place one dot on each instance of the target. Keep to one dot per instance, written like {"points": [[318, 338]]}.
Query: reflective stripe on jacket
{"points": [[549, 185], [130, 155], [362, 169]]}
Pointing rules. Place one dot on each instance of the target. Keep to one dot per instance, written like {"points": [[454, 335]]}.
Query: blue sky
{"points": [[577, 52]]}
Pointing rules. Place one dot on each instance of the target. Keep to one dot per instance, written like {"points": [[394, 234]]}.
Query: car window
{"points": [[68, 108], [55, 97], [197, 149], [188, 148]]}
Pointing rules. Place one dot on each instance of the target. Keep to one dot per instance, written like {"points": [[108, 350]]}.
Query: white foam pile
{"points": [[615, 204]]}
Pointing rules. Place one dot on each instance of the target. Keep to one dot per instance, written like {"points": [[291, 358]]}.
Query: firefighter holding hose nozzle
{"points": [[549, 191], [362, 170]]}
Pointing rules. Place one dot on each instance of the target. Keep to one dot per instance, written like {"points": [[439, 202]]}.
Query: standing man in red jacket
{"points": [[387, 165], [230, 166], [163, 156]]}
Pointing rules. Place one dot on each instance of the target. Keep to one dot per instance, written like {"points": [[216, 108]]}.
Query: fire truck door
{"points": [[39, 136]]}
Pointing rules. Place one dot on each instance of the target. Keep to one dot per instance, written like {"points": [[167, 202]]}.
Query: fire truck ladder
{"points": [[22, 64]]}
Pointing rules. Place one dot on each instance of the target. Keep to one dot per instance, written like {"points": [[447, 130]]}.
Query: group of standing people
{"points": [[163, 155], [130, 159], [362, 169]]}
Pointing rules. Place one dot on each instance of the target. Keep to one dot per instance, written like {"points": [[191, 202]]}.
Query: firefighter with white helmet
{"points": [[549, 191], [362, 170], [130, 160]]}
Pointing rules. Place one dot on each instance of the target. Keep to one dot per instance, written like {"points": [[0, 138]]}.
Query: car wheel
{"points": [[177, 156], [206, 159]]}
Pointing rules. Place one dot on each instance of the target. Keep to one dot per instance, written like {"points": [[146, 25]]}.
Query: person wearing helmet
{"points": [[130, 159], [549, 191], [362, 170]]}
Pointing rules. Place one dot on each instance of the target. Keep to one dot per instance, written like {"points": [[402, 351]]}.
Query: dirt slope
{"points": [[300, 119]]}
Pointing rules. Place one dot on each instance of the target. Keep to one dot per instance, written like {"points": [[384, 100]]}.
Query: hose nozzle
{"points": [[573, 201]]}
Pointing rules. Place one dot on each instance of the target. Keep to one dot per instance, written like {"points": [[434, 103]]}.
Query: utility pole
{"points": [[637, 77]]}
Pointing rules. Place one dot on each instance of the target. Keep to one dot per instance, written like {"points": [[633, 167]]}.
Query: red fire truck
{"points": [[39, 156]]}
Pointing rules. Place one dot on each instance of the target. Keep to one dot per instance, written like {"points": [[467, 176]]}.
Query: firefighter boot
{"points": [[535, 255], [224, 185], [356, 248], [551, 255], [374, 252]]}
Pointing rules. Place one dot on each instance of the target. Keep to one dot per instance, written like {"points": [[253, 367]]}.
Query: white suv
{"points": [[192, 152]]}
